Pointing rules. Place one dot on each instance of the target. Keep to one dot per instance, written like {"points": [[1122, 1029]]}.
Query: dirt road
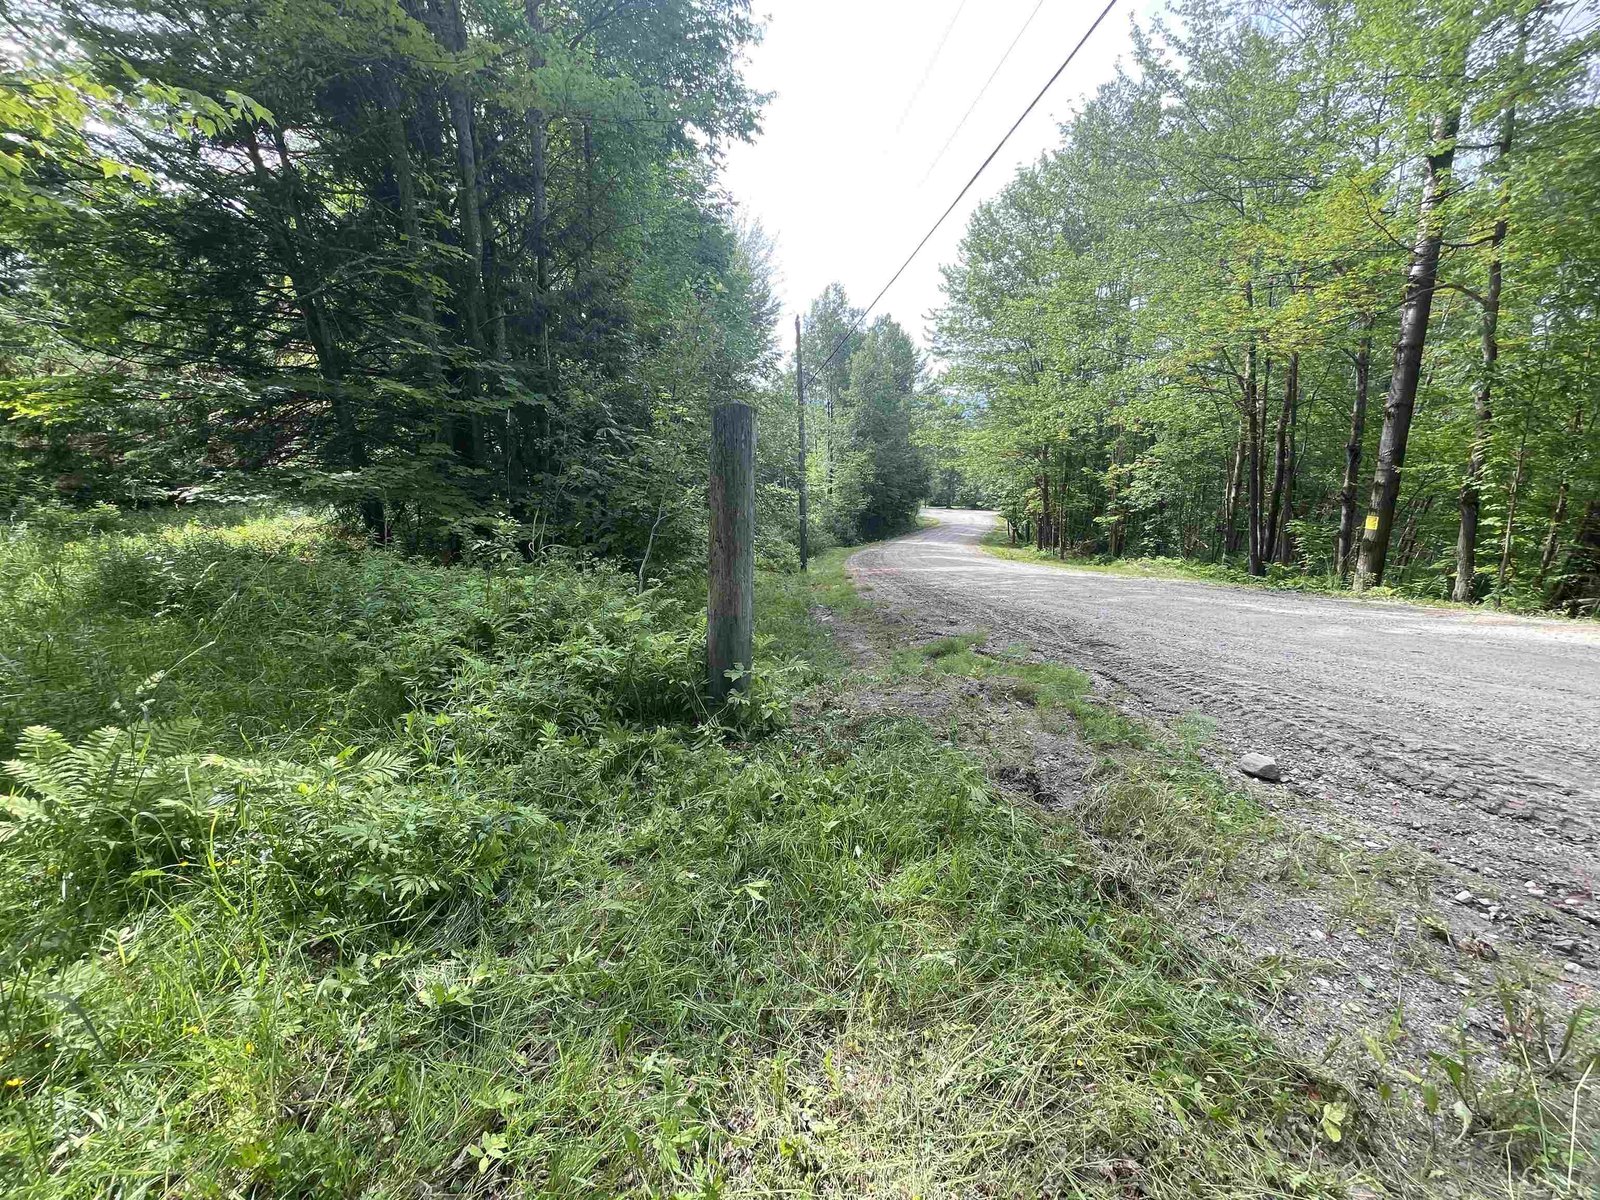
{"points": [[1474, 737]]}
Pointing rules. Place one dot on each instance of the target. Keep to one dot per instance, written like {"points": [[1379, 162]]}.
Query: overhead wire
{"points": [[928, 70], [971, 108], [811, 376]]}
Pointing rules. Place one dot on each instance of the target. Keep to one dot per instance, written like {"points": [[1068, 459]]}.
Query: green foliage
{"points": [[880, 475], [549, 928], [435, 264], [1123, 317], [867, 470]]}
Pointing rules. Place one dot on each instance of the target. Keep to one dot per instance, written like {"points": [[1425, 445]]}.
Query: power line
{"points": [[928, 70], [967, 187], [961, 124]]}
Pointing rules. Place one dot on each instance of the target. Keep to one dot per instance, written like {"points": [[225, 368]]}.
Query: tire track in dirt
{"points": [[1473, 737]]}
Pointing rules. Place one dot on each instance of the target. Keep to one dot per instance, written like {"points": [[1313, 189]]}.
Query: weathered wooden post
{"points": [[730, 609]]}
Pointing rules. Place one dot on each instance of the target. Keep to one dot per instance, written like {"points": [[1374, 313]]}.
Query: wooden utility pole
{"points": [[800, 393], [730, 609]]}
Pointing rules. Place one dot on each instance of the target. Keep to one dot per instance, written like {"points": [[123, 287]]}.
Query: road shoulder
{"points": [[1454, 1044]]}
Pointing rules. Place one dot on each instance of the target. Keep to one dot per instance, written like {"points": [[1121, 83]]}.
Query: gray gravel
{"points": [[1472, 736]]}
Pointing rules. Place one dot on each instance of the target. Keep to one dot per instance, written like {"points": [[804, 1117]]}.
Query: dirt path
{"points": [[1472, 738]]}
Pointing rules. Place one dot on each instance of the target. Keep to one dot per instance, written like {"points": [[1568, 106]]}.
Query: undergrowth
{"points": [[1277, 577], [327, 873]]}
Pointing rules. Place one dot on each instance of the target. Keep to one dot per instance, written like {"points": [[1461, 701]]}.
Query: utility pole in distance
{"points": [[800, 391], [730, 608]]}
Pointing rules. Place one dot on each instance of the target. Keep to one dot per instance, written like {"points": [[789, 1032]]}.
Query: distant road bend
{"points": [[1474, 735]]}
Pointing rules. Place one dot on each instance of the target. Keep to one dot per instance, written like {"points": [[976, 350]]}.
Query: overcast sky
{"points": [[840, 177]]}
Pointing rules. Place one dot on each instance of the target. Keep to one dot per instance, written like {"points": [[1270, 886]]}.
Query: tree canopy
{"points": [[433, 261], [1174, 329]]}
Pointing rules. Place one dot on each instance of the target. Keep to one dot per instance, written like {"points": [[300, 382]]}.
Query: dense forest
{"points": [[1308, 289], [444, 268]]}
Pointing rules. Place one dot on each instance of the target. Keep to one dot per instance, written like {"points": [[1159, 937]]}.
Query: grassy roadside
{"points": [[1277, 578], [1161, 818], [1165, 821], [393, 880]]}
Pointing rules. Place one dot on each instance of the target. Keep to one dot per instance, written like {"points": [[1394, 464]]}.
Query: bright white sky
{"points": [[837, 176]]}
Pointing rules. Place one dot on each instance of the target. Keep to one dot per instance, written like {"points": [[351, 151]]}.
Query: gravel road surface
{"points": [[1474, 737]]}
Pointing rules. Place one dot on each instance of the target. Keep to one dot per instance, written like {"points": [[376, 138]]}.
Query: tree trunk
{"points": [[588, 194], [1281, 465], [538, 140], [1229, 526], [1263, 390], [467, 435], [1285, 544], [1348, 493], [1471, 493], [1414, 313], [1406, 548], [1512, 491], [1579, 587], [1253, 434], [411, 227], [471, 229], [287, 229], [1064, 531], [1553, 541], [538, 242], [1044, 499]]}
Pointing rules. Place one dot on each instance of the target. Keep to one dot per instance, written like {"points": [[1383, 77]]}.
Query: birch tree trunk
{"points": [[1253, 436], [1282, 466]]}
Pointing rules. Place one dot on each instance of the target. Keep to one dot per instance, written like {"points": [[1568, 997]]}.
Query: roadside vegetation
{"points": [[1275, 576], [1490, 1094], [365, 830], [329, 871], [475, 896]]}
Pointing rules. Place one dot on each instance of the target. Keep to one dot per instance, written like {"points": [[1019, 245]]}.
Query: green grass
{"points": [[788, 605], [393, 879], [1164, 817]]}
